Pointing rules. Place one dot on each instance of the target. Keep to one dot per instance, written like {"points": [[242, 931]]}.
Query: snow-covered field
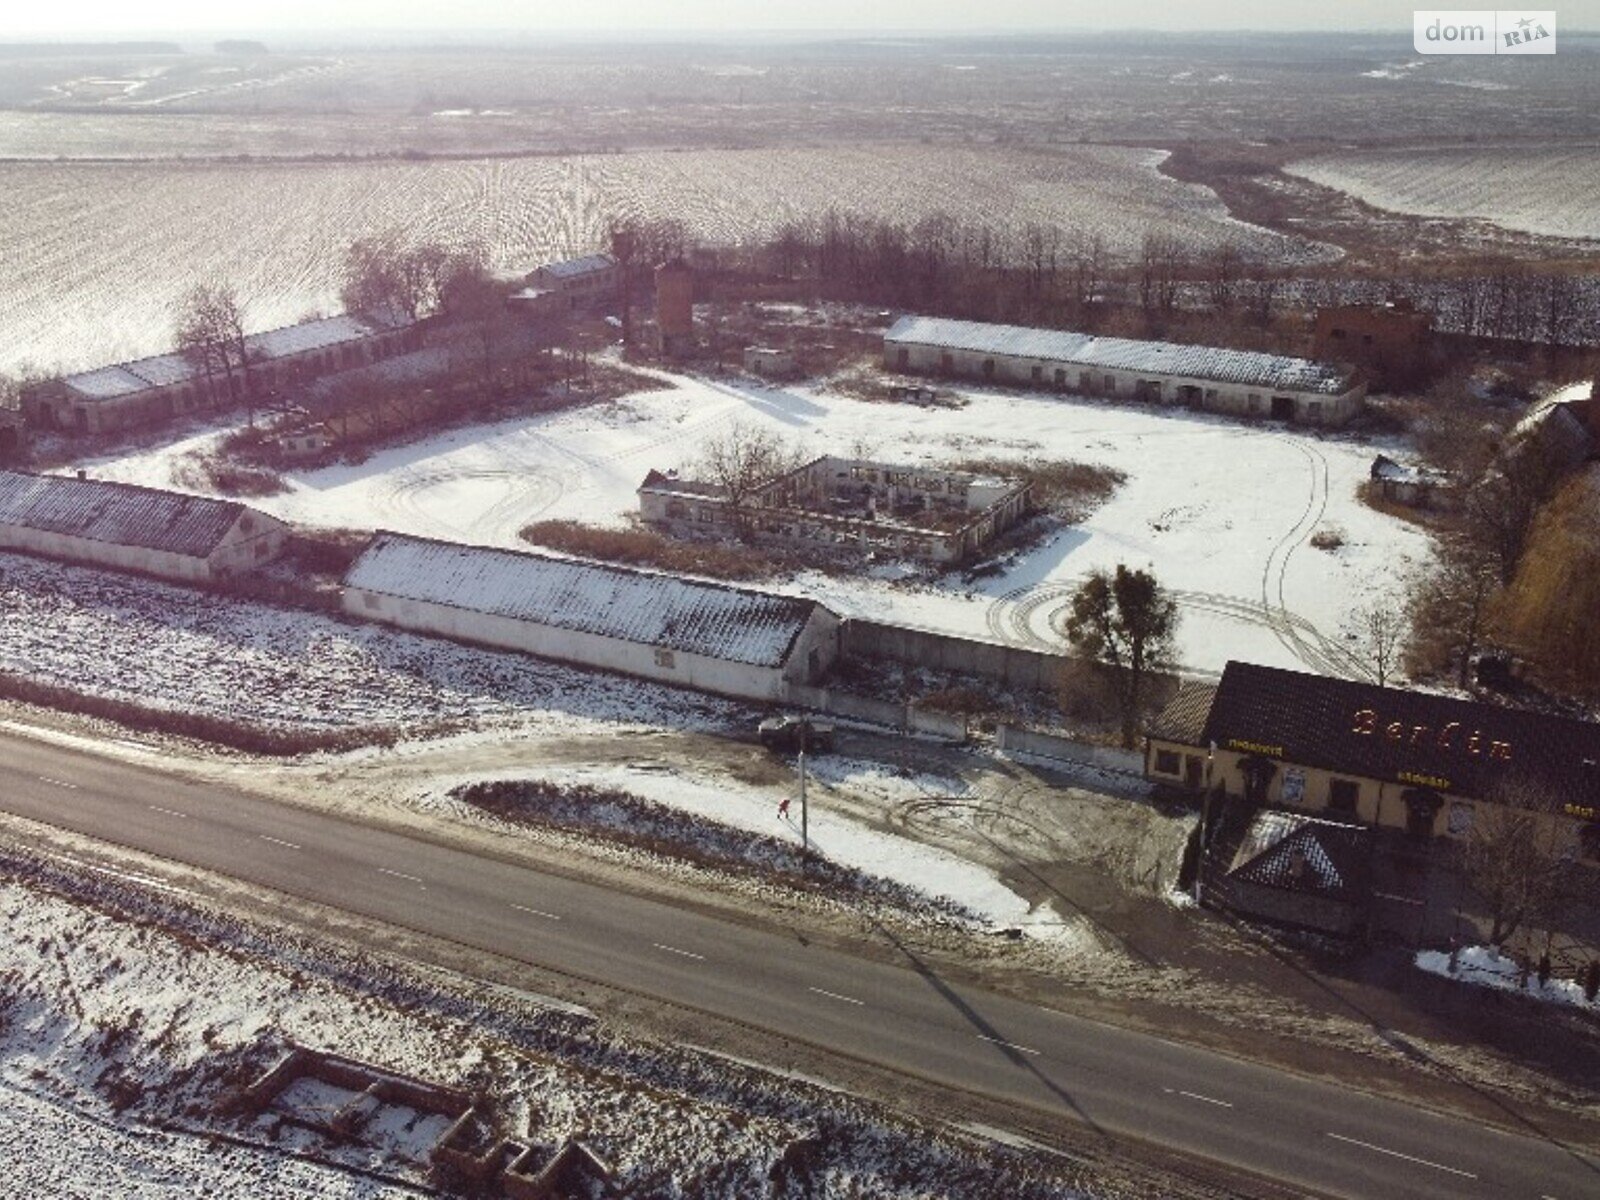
{"points": [[1545, 190], [98, 254], [121, 1036], [149, 643], [1221, 510]]}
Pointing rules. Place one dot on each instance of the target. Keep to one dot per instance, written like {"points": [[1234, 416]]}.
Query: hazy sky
{"points": [[98, 17]]}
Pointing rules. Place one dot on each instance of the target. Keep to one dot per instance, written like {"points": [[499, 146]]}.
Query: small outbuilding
{"points": [[1301, 871], [191, 539], [769, 361], [689, 632]]}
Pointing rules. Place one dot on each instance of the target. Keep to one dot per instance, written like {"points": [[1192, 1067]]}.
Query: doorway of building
{"points": [[1283, 408]]}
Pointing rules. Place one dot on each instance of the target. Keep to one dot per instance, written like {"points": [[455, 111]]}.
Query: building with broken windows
{"points": [[849, 505]]}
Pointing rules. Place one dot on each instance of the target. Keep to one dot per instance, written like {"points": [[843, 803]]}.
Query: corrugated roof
{"points": [[1413, 738], [692, 616], [119, 513], [576, 268], [163, 370], [1247, 367]]}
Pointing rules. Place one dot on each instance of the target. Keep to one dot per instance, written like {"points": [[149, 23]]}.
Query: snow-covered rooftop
{"points": [[1248, 367], [577, 268], [120, 513], [691, 616], [164, 370]]}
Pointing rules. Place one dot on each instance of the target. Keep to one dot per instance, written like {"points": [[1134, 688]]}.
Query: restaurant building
{"points": [[1383, 757]]}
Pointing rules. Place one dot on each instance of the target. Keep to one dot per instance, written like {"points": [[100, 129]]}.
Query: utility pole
{"points": [[805, 834]]}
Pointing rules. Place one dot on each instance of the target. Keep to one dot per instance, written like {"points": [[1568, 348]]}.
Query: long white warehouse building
{"points": [[688, 632], [193, 539], [1243, 382]]}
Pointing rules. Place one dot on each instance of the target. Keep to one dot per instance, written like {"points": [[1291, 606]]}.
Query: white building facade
{"points": [[189, 539], [148, 391], [689, 633], [1239, 382]]}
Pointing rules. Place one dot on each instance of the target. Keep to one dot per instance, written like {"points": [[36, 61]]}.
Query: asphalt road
{"points": [[1306, 1133]]}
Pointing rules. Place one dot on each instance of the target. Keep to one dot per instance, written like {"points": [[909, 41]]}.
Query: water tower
{"points": [[675, 307]]}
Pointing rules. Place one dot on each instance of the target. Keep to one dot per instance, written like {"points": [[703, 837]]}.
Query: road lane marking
{"points": [[267, 837], [60, 783], [171, 812], [1197, 1096], [1408, 1157], [538, 912], [837, 996], [675, 950], [1008, 1045], [403, 875]]}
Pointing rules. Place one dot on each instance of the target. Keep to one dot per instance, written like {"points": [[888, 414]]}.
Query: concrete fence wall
{"points": [[887, 713], [1013, 666], [1050, 745]]}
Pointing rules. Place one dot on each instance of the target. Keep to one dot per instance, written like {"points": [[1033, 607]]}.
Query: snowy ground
{"points": [[120, 1038], [1484, 966], [1222, 511]]}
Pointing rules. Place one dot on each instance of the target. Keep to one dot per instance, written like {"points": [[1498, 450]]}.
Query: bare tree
{"points": [[1126, 621], [740, 461], [210, 336], [388, 279], [1501, 507], [1376, 632], [1450, 605], [1508, 858], [1223, 265]]}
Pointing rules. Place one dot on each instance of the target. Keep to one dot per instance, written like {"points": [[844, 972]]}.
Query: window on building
{"points": [[1038, 373], [1343, 795], [988, 368], [666, 658], [370, 600], [1168, 762], [1337, 333], [1255, 401], [1110, 384]]}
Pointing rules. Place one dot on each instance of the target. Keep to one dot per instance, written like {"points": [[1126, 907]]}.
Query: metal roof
{"points": [[120, 513], [164, 370], [1247, 367], [576, 268], [692, 616]]}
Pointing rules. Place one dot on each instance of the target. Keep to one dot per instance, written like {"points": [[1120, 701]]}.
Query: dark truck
{"points": [[789, 734]]}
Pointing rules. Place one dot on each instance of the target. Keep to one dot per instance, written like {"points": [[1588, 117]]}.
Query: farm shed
{"points": [[689, 632], [1243, 382], [1418, 487], [170, 534], [150, 390], [770, 361], [849, 505], [588, 282]]}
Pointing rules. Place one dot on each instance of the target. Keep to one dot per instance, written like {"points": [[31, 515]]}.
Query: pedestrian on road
{"points": [[783, 809]]}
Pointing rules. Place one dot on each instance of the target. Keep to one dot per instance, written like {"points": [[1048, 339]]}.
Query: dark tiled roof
{"points": [[1448, 745], [1184, 718], [1302, 854], [119, 513]]}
